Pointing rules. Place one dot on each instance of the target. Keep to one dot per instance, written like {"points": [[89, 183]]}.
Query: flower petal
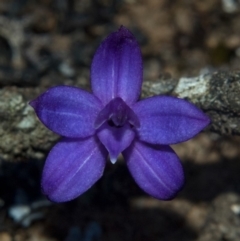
{"points": [[68, 111], [156, 169], [168, 120], [72, 167], [117, 68], [115, 139]]}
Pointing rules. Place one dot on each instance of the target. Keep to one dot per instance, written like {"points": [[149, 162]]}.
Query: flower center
{"points": [[117, 113]]}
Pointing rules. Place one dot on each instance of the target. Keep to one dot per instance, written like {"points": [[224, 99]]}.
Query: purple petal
{"points": [[117, 68], [168, 120], [115, 139], [72, 167], [68, 111], [156, 169]]}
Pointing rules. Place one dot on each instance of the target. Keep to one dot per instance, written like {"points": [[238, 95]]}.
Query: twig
{"points": [[23, 136]]}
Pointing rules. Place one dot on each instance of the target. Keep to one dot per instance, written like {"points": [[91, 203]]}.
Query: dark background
{"points": [[50, 42]]}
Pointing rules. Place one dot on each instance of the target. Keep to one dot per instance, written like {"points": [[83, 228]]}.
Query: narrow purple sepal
{"points": [[68, 111], [156, 169], [116, 69], [168, 120], [72, 167], [115, 139]]}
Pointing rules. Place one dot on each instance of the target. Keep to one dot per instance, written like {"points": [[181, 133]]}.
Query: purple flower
{"points": [[111, 121]]}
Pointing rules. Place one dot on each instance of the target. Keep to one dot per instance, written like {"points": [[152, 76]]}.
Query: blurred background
{"points": [[50, 42]]}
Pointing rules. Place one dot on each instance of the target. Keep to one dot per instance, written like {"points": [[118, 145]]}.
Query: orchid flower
{"points": [[112, 120]]}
